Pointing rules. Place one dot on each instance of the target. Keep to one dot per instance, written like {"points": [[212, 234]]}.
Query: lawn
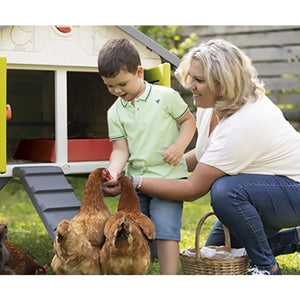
{"points": [[28, 232]]}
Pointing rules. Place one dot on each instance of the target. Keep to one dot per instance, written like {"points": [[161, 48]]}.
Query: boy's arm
{"points": [[173, 154], [118, 157]]}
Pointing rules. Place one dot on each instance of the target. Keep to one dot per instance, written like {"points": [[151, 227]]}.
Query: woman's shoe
{"points": [[257, 271]]}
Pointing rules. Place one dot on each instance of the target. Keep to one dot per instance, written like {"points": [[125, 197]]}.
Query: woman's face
{"points": [[203, 97]]}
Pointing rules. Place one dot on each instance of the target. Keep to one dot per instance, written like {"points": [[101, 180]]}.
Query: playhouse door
{"points": [[2, 115]]}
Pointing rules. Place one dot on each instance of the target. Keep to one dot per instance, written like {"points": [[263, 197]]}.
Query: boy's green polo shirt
{"points": [[149, 127]]}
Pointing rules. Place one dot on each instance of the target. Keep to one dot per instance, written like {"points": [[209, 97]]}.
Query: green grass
{"points": [[27, 231]]}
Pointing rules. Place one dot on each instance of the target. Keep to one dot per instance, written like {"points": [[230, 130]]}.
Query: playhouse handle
{"points": [[8, 112]]}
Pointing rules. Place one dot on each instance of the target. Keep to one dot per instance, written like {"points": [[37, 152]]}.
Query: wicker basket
{"points": [[197, 265]]}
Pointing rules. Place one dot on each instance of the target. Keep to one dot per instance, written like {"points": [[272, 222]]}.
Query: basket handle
{"points": [[199, 226]]}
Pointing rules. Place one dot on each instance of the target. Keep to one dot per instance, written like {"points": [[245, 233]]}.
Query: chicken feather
{"points": [[4, 254], [78, 242], [18, 262], [23, 264], [127, 232]]}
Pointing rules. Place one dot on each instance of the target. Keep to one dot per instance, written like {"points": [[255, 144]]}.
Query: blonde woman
{"points": [[247, 155]]}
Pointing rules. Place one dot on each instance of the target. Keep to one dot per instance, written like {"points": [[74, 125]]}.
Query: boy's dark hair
{"points": [[117, 55]]}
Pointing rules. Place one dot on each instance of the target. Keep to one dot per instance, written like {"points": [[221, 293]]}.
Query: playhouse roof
{"points": [[147, 42], [151, 44]]}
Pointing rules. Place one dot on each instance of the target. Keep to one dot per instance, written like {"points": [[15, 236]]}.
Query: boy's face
{"points": [[126, 85]]}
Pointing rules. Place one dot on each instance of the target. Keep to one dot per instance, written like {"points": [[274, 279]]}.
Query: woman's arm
{"points": [[196, 186], [191, 160]]}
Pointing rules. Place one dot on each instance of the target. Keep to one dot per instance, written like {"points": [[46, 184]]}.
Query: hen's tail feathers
{"points": [[122, 234]]}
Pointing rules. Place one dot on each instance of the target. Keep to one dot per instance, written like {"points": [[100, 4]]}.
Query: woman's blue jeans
{"points": [[255, 208]]}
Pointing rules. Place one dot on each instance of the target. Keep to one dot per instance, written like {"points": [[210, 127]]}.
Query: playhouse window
{"points": [[88, 102], [31, 96]]}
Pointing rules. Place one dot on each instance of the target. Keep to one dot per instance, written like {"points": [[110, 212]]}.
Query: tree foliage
{"points": [[168, 37]]}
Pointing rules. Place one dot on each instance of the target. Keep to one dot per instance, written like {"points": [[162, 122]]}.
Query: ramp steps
{"points": [[51, 194]]}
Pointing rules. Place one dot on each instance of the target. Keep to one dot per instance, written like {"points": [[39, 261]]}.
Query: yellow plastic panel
{"points": [[160, 74], [2, 114]]}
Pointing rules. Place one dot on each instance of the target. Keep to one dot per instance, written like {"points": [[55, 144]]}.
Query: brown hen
{"points": [[78, 242], [23, 264], [4, 254], [126, 250], [20, 263]]}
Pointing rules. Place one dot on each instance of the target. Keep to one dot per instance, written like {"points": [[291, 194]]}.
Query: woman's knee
{"points": [[221, 190]]}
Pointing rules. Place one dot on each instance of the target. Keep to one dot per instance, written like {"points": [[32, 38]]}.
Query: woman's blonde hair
{"points": [[228, 72]]}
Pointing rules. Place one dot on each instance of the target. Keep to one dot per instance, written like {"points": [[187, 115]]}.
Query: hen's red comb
{"points": [[106, 175], [45, 267]]}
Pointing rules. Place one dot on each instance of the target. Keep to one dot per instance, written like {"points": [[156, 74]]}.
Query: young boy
{"points": [[143, 126]]}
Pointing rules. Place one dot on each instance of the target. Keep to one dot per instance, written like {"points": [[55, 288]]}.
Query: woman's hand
{"points": [[111, 188]]}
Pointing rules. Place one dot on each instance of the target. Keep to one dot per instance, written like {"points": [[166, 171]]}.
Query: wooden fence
{"points": [[274, 51]]}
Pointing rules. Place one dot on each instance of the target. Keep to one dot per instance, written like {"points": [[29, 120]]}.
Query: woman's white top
{"points": [[256, 139], [203, 117]]}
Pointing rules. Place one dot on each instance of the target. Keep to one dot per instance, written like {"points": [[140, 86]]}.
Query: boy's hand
{"points": [[172, 155]]}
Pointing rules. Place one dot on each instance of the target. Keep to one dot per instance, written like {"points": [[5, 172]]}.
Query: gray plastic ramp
{"points": [[3, 182], [51, 194]]}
